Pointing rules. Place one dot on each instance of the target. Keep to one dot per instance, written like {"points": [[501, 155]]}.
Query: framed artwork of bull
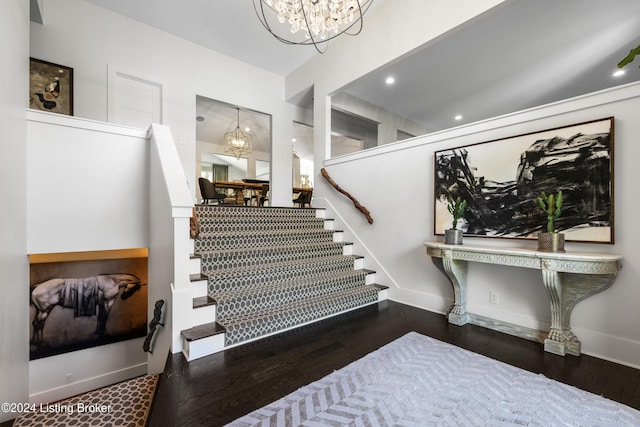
{"points": [[501, 180], [80, 300]]}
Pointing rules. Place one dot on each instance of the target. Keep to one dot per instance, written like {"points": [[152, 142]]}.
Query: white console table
{"points": [[568, 278]]}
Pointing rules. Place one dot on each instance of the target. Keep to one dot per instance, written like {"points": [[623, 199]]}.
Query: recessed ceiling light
{"points": [[293, 140], [247, 129], [458, 117], [618, 73], [390, 80], [200, 119]]}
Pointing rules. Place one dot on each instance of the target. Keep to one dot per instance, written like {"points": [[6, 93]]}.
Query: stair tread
{"points": [[203, 331], [195, 277], [203, 301]]}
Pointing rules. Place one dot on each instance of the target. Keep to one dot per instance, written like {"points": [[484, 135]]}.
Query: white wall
{"points": [[391, 31], [88, 191], [89, 39], [389, 123], [86, 182], [14, 341], [395, 182]]}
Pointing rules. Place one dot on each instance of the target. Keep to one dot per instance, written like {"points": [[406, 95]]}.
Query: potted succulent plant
{"points": [[551, 241], [456, 208]]}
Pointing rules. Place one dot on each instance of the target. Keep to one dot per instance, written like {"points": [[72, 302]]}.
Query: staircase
{"points": [[259, 271]]}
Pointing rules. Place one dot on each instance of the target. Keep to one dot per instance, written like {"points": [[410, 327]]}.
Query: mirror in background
{"points": [[216, 119], [507, 60], [237, 174]]}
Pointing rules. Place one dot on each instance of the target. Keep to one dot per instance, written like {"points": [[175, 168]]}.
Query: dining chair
{"points": [[208, 192], [264, 195], [304, 198]]}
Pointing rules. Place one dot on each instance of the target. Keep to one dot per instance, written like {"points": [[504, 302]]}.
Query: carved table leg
{"points": [[565, 290], [239, 196], [456, 272]]}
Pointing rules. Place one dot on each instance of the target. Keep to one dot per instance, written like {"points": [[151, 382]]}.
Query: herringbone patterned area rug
{"points": [[123, 404], [420, 381]]}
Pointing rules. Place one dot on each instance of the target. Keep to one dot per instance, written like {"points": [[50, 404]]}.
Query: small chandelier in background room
{"points": [[311, 21], [237, 142]]}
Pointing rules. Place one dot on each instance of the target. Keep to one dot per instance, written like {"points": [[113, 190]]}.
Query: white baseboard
{"points": [[430, 302], [609, 347], [602, 346]]}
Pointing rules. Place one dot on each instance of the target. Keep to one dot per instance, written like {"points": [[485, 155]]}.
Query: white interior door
{"points": [[134, 101]]}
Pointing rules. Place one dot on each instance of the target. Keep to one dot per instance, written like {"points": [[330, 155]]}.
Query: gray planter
{"points": [[453, 237], [551, 242]]}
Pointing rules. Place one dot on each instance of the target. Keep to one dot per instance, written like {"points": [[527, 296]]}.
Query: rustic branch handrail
{"points": [[356, 203], [194, 225]]}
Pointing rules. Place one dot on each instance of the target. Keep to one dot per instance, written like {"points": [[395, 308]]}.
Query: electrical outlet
{"points": [[494, 297]]}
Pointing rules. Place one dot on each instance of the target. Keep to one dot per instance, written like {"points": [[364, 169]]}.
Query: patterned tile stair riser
{"points": [[234, 225], [223, 241], [250, 257], [269, 273], [243, 328], [264, 298], [271, 269], [226, 213], [231, 219]]}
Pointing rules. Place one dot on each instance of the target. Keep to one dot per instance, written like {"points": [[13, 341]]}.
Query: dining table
{"points": [[253, 186], [239, 188]]}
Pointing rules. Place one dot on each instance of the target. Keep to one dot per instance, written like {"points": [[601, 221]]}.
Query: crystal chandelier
{"points": [[237, 142], [312, 21]]}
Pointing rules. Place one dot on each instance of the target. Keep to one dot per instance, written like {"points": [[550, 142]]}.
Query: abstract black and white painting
{"points": [[501, 180]]}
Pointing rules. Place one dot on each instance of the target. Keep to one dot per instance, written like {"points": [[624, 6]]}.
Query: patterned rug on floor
{"points": [[420, 381], [123, 404]]}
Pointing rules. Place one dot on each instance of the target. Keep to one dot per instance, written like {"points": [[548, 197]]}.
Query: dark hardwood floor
{"points": [[219, 388]]}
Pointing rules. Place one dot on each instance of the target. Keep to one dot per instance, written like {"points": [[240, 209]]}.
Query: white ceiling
{"points": [[522, 54], [525, 54], [230, 27]]}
